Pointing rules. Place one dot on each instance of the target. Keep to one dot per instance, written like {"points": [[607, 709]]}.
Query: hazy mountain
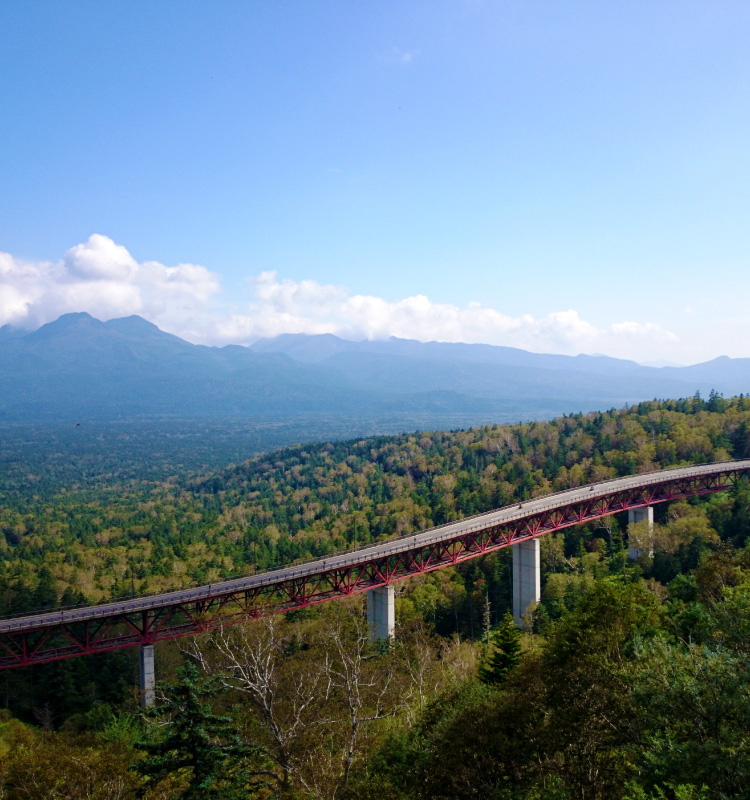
{"points": [[311, 348], [726, 375], [489, 371], [79, 367]]}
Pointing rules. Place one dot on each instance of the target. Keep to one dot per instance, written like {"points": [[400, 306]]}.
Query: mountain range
{"points": [[78, 367]]}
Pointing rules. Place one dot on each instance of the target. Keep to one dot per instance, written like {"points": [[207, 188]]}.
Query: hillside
{"points": [[134, 533], [632, 683]]}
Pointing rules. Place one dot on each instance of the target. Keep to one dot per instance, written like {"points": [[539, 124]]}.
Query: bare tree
{"points": [[250, 659], [363, 679], [318, 689], [419, 663]]}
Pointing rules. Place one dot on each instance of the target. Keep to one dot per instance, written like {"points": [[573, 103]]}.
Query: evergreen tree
{"points": [[503, 652], [198, 749], [486, 621]]}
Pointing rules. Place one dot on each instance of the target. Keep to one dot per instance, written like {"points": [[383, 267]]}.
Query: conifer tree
{"points": [[486, 622], [199, 749], [503, 652]]}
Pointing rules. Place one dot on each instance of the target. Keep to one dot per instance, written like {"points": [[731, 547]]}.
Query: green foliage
{"points": [[80, 522], [683, 791], [610, 704], [503, 652], [634, 683], [198, 750], [693, 698], [40, 765]]}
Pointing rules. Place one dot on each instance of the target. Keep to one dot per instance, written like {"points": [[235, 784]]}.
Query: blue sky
{"points": [[566, 177]]}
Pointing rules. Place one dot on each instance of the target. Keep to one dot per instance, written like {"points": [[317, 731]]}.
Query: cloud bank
{"points": [[287, 306], [102, 278]]}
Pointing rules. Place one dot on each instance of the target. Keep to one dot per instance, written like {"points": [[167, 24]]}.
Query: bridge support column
{"points": [[527, 580], [147, 675], [381, 613], [640, 515]]}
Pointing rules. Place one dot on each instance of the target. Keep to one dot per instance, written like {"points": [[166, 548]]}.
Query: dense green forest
{"points": [[128, 531], [633, 681]]}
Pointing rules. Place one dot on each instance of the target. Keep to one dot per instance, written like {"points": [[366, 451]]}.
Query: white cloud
{"points": [[649, 331], [99, 259], [307, 296], [103, 278], [287, 306]]}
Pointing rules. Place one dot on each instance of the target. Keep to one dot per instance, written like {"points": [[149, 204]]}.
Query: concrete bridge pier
{"points": [[527, 580], [147, 681], [381, 613], [640, 515]]}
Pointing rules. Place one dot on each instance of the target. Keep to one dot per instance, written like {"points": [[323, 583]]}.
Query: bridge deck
{"points": [[631, 492]]}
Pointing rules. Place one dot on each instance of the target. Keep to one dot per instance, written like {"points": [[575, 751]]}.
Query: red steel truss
{"points": [[67, 633]]}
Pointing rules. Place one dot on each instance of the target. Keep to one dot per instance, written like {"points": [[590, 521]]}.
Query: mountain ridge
{"points": [[79, 366]]}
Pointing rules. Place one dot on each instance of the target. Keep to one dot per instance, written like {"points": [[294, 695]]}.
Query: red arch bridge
{"points": [[67, 633]]}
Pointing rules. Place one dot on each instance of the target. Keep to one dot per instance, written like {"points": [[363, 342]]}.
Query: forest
{"points": [[632, 680]]}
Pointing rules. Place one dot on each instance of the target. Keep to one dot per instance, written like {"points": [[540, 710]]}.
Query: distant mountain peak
{"points": [[76, 315], [301, 337], [132, 320], [76, 320], [135, 327], [303, 346], [72, 318]]}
